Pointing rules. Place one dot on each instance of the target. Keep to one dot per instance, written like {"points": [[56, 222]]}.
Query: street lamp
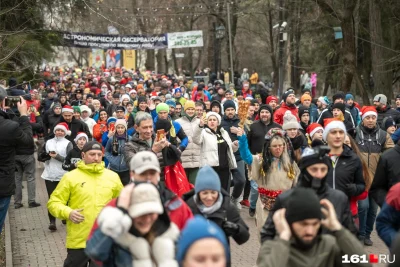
{"points": [[219, 34]]}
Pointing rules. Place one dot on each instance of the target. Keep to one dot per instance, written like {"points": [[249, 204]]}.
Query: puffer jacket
{"points": [[12, 133], [191, 156], [347, 171], [89, 187], [117, 163], [371, 143], [53, 170], [209, 147], [280, 112]]}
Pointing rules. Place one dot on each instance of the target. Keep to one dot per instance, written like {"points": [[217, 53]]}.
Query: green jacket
{"points": [[326, 252]]}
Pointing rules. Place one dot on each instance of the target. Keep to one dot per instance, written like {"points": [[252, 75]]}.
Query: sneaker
{"points": [[236, 202], [18, 205], [53, 227], [34, 204], [245, 202], [368, 242], [252, 212]]}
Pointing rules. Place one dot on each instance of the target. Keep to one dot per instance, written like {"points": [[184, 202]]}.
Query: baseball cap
{"points": [[143, 161], [145, 199]]}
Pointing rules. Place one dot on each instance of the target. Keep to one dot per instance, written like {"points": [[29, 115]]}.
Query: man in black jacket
{"points": [[314, 165], [347, 173], [12, 134], [384, 109], [387, 174], [230, 122], [50, 119], [256, 140]]}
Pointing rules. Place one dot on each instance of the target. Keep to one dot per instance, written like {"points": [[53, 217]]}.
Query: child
{"points": [[75, 155]]}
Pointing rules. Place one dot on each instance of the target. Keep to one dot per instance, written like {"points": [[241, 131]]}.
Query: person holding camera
{"points": [[12, 134]]}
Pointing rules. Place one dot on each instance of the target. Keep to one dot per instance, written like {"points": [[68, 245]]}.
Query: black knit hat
{"points": [[315, 155], [339, 95], [287, 93], [340, 106], [303, 204], [229, 104], [266, 107], [303, 110], [163, 124]]}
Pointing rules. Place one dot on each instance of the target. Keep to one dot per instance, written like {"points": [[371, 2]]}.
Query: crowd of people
{"points": [[149, 169]]}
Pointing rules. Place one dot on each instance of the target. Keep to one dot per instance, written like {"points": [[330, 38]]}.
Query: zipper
{"points": [[334, 173]]}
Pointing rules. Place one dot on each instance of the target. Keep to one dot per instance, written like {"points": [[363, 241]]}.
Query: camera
{"points": [[12, 101]]}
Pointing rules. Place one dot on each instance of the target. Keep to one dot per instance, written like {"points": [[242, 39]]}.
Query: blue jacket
{"points": [[355, 113], [102, 248], [396, 136], [178, 131], [388, 220], [313, 112], [104, 137], [117, 163]]}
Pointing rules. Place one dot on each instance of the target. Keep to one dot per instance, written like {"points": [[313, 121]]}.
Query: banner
{"points": [[129, 59], [110, 41], [185, 39], [97, 58], [131, 42]]}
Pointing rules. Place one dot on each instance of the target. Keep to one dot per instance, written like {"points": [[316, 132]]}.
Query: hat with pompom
{"points": [[62, 126]]}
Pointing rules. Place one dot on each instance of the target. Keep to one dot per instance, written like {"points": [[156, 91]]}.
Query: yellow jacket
{"points": [[88, 187], [254, 78]]}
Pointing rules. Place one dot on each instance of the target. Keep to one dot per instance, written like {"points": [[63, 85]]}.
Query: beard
{"points": [[301, 244]]}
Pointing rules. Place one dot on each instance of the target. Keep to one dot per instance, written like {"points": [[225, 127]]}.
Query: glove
{"points": [[230, 228], [350, 189]]}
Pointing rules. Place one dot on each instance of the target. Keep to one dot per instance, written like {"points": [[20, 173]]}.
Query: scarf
{"points": [[208, 210]]}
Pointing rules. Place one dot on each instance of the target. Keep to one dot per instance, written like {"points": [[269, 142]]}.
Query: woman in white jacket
{"points": [[216, 147], [57, 148]]}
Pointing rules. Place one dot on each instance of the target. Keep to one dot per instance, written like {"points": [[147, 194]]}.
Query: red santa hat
{"points": [[67, 108], [368, 111], [313, 128], [79, 135], [62, 126]]}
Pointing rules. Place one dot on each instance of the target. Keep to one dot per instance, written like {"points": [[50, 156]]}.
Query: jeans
{"points": [[51, 186], [77, 258], [367, 209], [4, 203], [239, 179], [25, 165], [253, 194]]}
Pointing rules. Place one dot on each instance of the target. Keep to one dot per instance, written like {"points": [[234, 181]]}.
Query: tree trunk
{"points": [[382, 74]]}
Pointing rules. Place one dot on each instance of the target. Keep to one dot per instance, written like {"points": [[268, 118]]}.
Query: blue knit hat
{"points": [[171, 103], [349, 96], [207, 179], [111, 119], [196, 229], [178, 89]]}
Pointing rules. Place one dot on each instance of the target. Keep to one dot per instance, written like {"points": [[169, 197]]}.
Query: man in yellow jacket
{"points": [[87, 189]]}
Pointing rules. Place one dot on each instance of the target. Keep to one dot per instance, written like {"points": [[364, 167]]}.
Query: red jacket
{"points": [[278, 114], [247, 93]]}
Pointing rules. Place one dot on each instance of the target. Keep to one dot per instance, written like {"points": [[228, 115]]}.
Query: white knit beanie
{"points": [[290, 121], [215, 114]]}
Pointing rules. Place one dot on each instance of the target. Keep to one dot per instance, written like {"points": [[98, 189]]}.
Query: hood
{"points": [[91, 168]]}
